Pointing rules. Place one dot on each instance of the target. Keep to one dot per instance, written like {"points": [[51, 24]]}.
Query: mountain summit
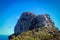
{"points": [[29, 21], [30, 24], [23, 23]]}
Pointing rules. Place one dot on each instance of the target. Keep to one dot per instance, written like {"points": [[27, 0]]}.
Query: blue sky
{"points": [[11, 10]]}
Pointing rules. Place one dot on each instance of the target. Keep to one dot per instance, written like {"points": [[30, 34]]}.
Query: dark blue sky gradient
{"points": [[11, 10]]}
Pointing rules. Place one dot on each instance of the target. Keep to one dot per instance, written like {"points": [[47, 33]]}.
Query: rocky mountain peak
{"points": [[28, 21], [31, 27], [23, 23]]}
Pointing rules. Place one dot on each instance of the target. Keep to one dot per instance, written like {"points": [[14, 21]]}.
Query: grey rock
{"points": [[29, 21], [37, 22], [23, 23]]}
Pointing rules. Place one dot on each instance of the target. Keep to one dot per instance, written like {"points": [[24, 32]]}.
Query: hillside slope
{"points": [[36, 35]]}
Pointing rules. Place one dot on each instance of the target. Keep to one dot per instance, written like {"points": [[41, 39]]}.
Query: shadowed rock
{"points": [[37, 22], [23, 23]]}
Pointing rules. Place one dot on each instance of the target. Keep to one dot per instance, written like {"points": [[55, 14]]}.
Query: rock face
{"points": [[41, 21], [37, 22], [29, 21], [23, 23]]}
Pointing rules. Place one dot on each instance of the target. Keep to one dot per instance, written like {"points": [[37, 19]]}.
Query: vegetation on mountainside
{"points": [[36, 35]]}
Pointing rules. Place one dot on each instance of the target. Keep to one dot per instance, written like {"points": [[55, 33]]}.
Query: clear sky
{"points": [[11, 10]]}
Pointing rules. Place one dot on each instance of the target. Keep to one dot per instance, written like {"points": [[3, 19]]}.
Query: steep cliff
{"points": [[23, 23]]}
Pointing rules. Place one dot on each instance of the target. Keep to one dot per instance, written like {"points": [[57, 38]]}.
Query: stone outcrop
{"points": [[31, 27], [29, 21], [23, 23], [37, 22]]}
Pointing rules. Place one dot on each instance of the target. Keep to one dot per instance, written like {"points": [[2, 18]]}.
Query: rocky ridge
{"points": [[34, 27]]}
